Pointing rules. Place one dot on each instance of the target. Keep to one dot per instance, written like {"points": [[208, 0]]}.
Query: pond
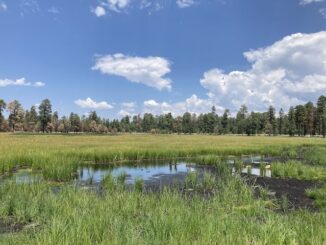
{"points": [[158, 173], [144, 171], [23, 176]]}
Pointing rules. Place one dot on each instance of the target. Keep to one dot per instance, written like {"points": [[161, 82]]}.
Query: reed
{"points": [[58, 155], [67, 214], [298, 170]]}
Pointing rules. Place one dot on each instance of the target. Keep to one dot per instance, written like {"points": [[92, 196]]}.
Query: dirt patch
{"points": [[10, 225], [294, 190]]}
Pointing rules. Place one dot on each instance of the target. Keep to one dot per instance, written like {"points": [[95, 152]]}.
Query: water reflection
{"points": [[145, 172], [153, 171]]}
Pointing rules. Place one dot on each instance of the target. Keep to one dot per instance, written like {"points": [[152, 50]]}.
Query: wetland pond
{"points": [[157, 173]]}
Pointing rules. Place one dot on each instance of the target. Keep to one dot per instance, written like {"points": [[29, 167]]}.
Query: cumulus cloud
{"points": [[290, 71], [111, 5], [118, 5], [192, 104], [39, 84], [91, 104], [19, 82], [99, 11], [185, 3], [129, 105], [122, 6], [149, 71], [3, 6], [305, 2], [127, 109]]}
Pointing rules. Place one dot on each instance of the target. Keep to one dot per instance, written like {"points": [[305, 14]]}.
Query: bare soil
{"points": [[294, 190], [10, 225]]}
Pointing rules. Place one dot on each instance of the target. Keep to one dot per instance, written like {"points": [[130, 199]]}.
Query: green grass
{"points": [[58, 155], [75, 216], [298, 170], [315, 155], [233, 215], [319, 195]]}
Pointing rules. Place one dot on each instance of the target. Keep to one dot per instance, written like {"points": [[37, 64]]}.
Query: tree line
{"points": [[301, 120]]}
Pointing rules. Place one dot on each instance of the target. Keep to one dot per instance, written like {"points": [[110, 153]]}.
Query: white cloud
{"points": [[53, 10], [149, 71], [99, 11], [91, 104], [151, 6], [123, 113], [305, 2], [3, 6], [19, 82], [128, 109], [115, 5], [185, 3], [290, 71], [323, 12], [129, 105], [192, 105], [39, 84], [29, 6]]}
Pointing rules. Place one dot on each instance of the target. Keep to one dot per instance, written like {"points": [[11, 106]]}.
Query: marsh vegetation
{"points": [[215, 200]]}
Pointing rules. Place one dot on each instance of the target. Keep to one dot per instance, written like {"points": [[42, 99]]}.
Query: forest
{"points": [[300, 120]]}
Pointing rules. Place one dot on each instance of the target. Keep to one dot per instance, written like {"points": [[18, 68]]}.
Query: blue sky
{"points": [[133, 56]]}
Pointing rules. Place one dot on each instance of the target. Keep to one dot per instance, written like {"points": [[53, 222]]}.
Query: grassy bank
{"points": [[75, 216]]}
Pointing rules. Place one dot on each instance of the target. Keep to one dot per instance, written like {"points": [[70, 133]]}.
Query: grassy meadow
{"points": [[232, 215]]}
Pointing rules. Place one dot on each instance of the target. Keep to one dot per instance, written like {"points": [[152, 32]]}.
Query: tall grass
{"points": [[315, 155], [76, 216], [319, 194], [233, 215], [58, 155], [298, 170]]}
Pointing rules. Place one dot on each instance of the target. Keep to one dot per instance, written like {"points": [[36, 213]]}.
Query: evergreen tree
{"points": [[16, 115], [187, 126], [309, 118], [2, 108], [300, 116], [75, 123], [241, 116], [225, 121], [292, 123], [321, 115], [55, 121], [281, 122], [45, 114], [148, 122], [33, 118], [93, 117], [271, 120]]}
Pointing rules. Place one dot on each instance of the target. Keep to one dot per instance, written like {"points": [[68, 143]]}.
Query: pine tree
{"points": [[16, 115], [309, 118], [45, 114], [321, 115], [2, 108], [224, 121], [292, 125], [300, 116], [281, 122], [271, 120]]}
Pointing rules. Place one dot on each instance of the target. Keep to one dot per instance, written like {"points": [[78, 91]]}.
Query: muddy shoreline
{"points": [[294, 190]]}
